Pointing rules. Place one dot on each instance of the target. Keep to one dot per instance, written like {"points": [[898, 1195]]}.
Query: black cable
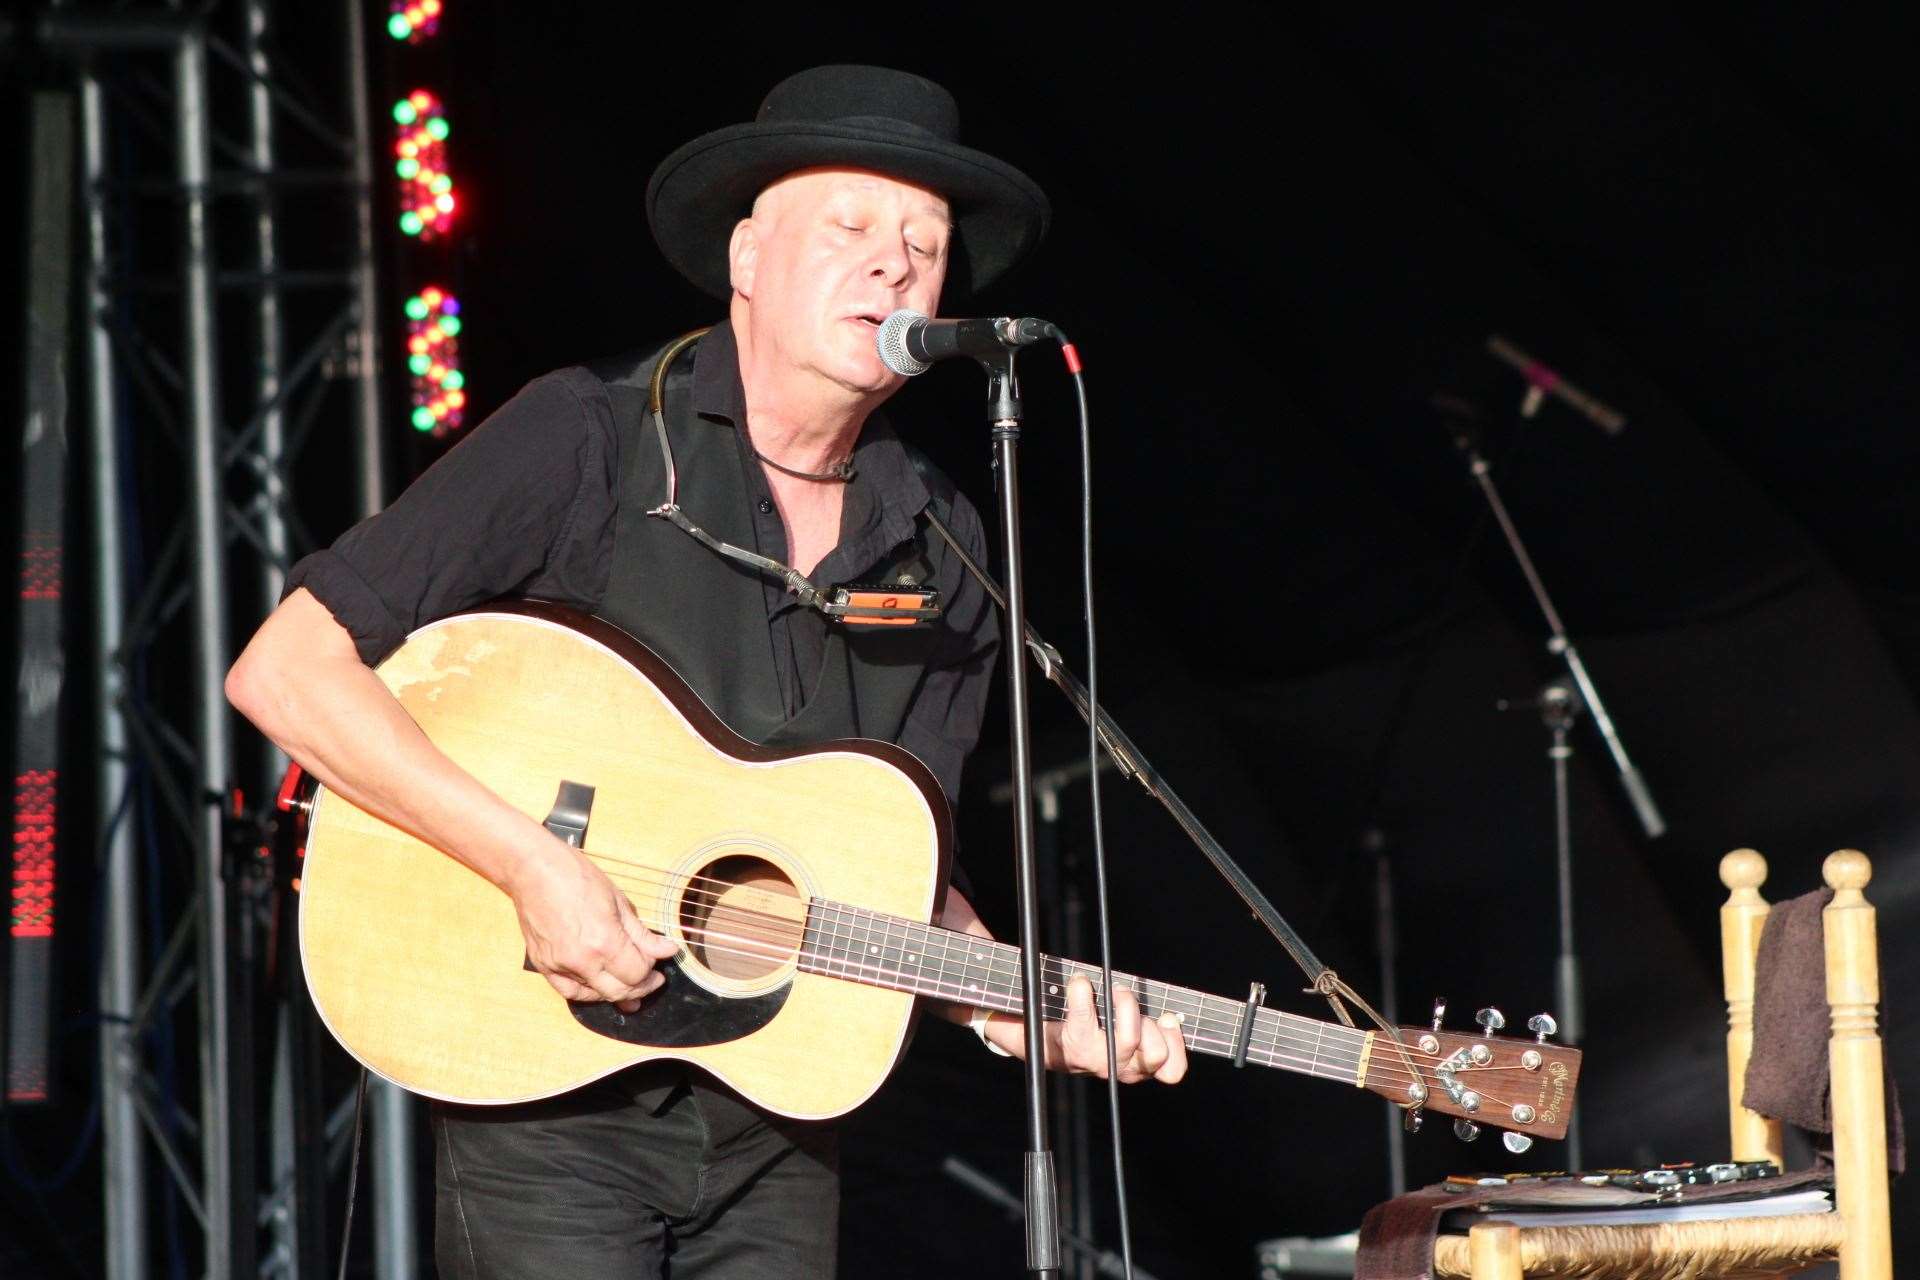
{"points": [[353, 1169], [1101, 913]]}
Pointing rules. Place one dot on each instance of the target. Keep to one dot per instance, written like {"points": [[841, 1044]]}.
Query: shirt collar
{"points": [[880, 460]]}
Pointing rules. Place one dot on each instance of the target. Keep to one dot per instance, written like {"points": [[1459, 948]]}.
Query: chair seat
{"points": [[1734, 1248]]}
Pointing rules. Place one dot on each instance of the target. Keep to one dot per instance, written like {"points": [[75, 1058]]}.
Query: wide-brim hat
{"points": [[892, 122]]}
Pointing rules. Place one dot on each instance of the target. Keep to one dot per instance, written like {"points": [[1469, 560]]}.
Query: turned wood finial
{"points": [[1846, 869], [1744, 869]]}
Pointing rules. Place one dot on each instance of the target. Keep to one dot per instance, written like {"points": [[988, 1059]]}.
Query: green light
{"points": [[404, 113], [450, 325], [410, 223], [423, 419], [398, 27], [441, 184], [454, 380], [416, 308], [419, 364], [437, 128], [408, 168]]}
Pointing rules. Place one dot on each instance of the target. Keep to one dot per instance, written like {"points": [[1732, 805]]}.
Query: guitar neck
{"points": [[903, 955]]}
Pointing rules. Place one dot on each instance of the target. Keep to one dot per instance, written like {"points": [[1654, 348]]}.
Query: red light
{"points": [[33, 852], [417, 344], [431, 296], [420, 99]]}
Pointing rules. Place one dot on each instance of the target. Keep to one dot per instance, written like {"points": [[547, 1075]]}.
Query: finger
{"points": [[1174, 1068], [1153, 1051], [1080, 1036], [1126, 1028], [652, 945], [567, 987]]}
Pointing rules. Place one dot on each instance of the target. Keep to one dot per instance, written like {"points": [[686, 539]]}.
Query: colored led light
{"points": [[419, 364], [410, 223], [407, 167], [440, 184], [456, 399], [405, 112], [398, 27], [421, 99], [439, 128], [450, 325], [454, 380], [444, 202], [417, 308], [423, 419], [431, 297]]}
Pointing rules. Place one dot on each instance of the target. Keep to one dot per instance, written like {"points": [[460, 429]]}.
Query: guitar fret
{"points": [[888, 951]]}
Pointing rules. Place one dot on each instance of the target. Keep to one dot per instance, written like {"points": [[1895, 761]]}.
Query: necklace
{"points": [[839, 471]]}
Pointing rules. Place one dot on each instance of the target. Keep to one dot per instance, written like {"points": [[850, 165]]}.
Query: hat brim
{"points": [[700, 192]]}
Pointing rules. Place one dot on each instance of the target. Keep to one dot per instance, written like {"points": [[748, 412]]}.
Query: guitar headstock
{"points": [[1523, 1086]]}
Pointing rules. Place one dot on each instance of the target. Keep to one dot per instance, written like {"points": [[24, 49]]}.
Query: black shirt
{"points": [[529, 504]]}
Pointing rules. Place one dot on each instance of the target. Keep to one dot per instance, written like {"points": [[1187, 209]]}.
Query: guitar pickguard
{"points": [[683, 1014]]}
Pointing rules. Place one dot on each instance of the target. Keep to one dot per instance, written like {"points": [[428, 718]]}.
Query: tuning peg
{"points": [[1542, 1025], [1439, 1011], [1412, 1119], [1518, 1143], [1491, 1019], [1465, 1130]]}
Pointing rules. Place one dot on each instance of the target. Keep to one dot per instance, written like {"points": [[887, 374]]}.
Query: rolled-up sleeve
{"points": [[524, 505]]}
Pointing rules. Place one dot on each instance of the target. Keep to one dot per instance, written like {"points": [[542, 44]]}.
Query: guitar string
{"points": [[1331, 1062], [1222, 1030]]}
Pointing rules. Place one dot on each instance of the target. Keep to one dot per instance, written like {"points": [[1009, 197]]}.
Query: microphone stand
{"points": [[1560, 706], [1042, 1204], [1559, 643]]}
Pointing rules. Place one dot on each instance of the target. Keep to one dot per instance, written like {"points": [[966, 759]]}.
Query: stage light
{"points": [[420, 162], [433, 360], [413, 20]]}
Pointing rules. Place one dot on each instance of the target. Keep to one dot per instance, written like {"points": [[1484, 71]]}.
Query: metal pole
{"points": [[394, 1110], [284, 1221], [122, 1158], [225, 1120]]}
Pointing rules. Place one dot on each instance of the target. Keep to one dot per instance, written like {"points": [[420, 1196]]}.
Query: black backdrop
{"points": [[1277, 233]]}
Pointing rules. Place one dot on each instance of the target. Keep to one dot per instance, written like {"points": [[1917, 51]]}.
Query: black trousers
{"points": [[655, 1172]]}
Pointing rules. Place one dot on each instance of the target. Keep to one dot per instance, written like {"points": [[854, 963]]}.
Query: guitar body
{"points": [[417, 965]]}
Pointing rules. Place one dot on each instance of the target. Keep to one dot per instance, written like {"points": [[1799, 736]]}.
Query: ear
{"points": [[743, 255]]}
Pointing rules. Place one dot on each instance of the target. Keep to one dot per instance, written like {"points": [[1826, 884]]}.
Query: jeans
{"points": [[655, 1172]]}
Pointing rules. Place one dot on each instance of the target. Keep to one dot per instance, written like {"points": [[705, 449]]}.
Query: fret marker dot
{"points": [[913, 959], [973, 986], [1053, 990], [873, 951]]}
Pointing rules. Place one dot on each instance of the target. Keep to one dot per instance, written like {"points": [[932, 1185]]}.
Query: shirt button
{"points": [[766, 507]]}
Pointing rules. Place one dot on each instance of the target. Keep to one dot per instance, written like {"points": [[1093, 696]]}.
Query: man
{"points": [[847, 199]]}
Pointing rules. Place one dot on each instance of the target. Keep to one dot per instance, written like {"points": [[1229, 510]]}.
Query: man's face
{"points": [[826, 256]]}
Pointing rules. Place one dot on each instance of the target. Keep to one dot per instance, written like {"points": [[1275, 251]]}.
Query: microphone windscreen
{"points": [[891, 340]]}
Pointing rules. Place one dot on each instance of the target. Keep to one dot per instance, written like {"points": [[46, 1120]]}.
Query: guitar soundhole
{"points": [[742, 918]]}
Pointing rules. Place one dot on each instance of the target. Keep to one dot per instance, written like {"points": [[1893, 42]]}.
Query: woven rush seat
{"points": [[1733, 1249]]}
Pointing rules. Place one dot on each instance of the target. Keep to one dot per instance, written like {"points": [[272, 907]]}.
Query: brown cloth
{"points": [[1397, 1236], [1787, 1077]]}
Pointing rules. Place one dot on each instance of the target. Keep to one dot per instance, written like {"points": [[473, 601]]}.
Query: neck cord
{"points": [[841, 471]]}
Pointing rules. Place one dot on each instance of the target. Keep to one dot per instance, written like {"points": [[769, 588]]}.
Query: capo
{"points": [[1244, 1036]]}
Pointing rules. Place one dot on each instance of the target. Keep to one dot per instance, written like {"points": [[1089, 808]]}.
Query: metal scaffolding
{"points": [[194, 438]]}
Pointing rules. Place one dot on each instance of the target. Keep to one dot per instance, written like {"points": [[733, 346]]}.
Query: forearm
{"points": [[301, 682]]}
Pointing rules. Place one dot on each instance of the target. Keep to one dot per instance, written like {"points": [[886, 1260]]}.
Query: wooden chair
{"points": [[1857, 1232]]}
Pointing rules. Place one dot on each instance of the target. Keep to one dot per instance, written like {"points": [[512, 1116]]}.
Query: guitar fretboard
{"points": [[904, 955]]}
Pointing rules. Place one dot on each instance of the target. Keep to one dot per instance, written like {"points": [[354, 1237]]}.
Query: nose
{"points": [[891, 263]]}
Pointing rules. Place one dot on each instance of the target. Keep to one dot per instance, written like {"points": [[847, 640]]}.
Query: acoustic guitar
{"points": [[798, 884]]}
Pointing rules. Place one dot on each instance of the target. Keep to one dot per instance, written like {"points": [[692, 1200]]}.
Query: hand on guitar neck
{"points": [[1144, 1049]]}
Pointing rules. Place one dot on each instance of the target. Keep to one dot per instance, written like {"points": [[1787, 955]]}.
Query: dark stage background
{"points": [[1276, 235]]}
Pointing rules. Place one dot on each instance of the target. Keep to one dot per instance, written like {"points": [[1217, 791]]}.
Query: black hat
{"points": [[892, 122]]}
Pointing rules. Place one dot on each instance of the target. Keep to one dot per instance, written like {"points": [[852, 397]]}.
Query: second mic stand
{"points": [[1559, 643]]}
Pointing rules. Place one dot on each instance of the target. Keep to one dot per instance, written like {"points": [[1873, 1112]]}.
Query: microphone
{"points": [[1543, 381], [910, 343]]}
